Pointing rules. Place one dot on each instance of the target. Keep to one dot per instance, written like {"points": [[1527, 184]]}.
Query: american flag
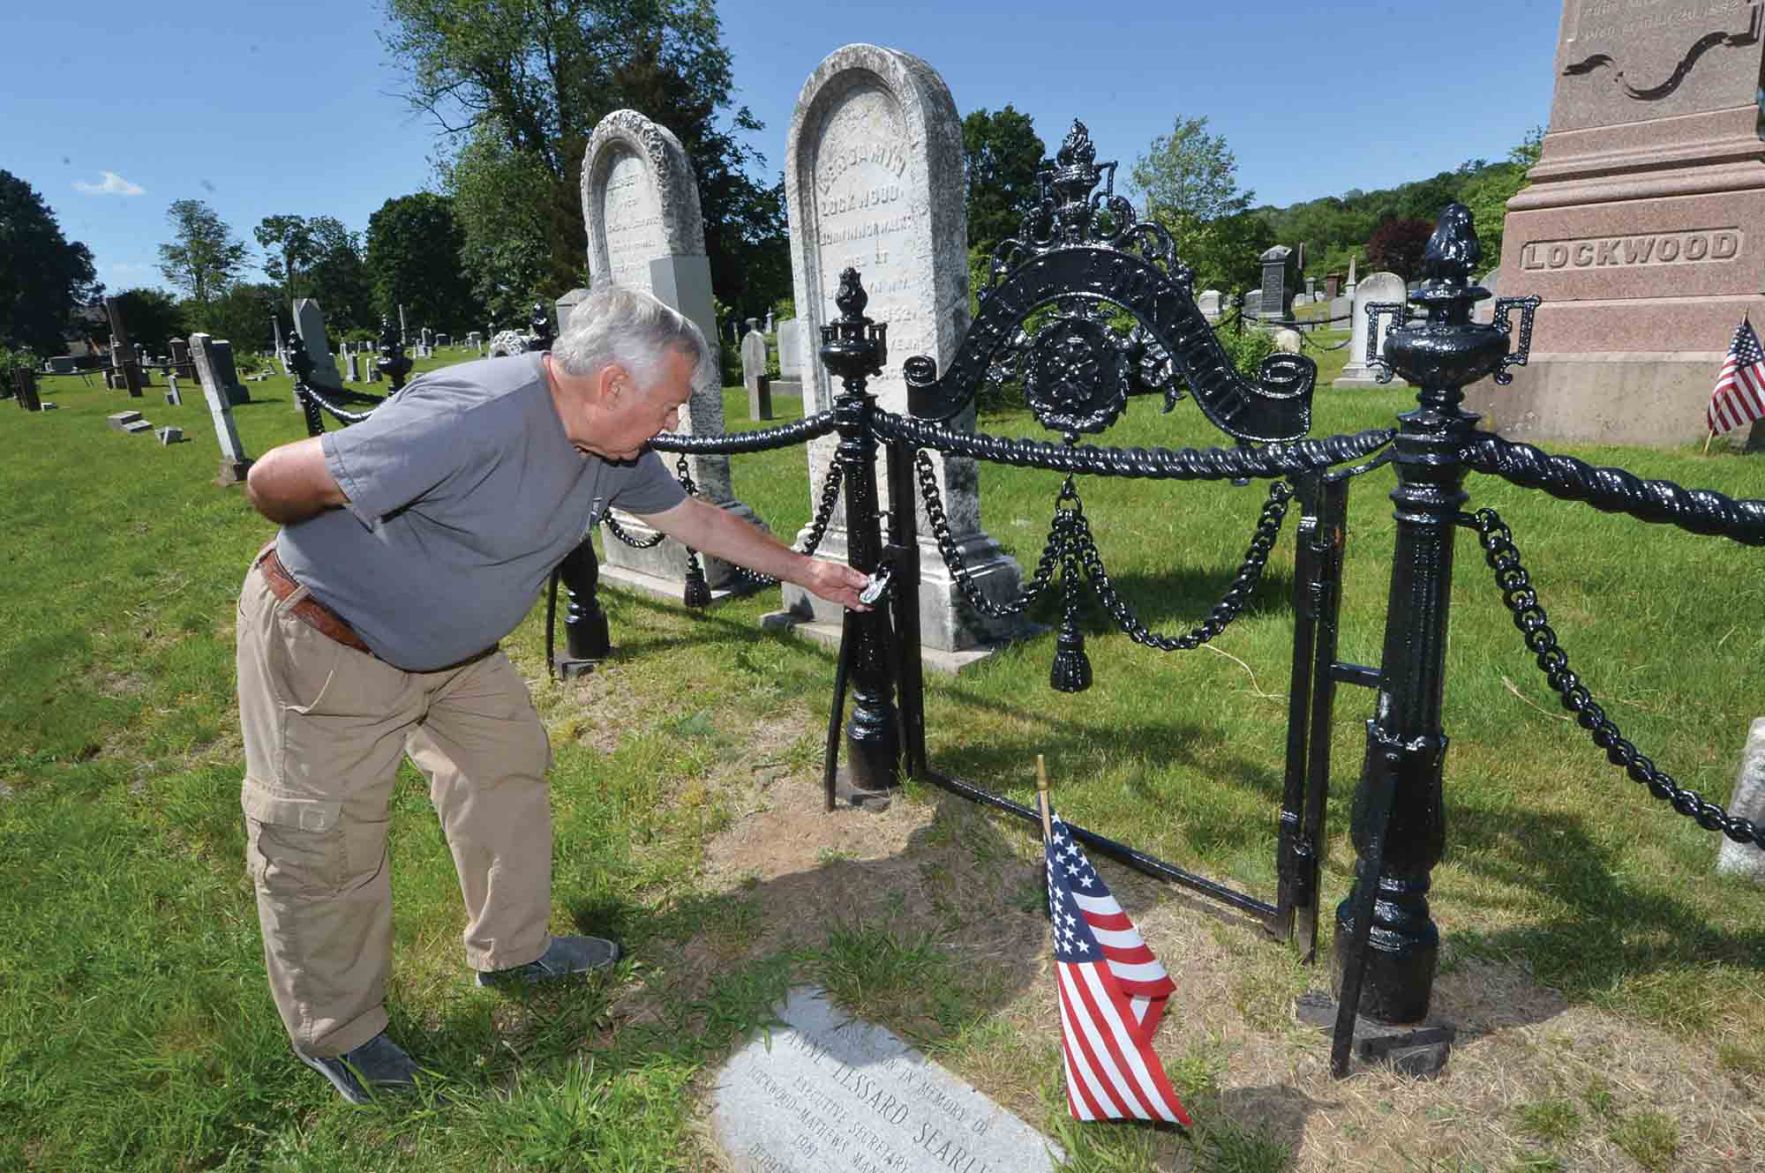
{"points": [[1112, 995], [1740, 390]]}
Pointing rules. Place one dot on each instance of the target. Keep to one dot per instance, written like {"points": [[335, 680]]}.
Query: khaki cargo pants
{"points": [[324, 727]]}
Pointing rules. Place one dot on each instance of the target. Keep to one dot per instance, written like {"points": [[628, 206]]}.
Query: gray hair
{"points": [[618, 324]]}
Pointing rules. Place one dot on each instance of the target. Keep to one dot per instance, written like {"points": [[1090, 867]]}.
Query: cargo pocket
{"points": [[294, 846]]}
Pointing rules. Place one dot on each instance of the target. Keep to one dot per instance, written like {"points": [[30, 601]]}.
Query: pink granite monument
{"points": [[1644, 225]]}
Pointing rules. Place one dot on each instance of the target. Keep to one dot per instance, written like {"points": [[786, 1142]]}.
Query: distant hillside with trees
{"points": [[1334, 227]]}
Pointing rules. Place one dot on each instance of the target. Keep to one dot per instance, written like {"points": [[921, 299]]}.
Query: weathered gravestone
{"points": [[1252, 307], [24, 389], [174, 395], [1744, 859], [1378, 287], [129, 422], [309, 323], [226, 373], [1643, 227], [170, 435], [352, 368], [790, 359], [754, 376], [181, 359], [234, 462], [126, 372], [640, 205], [1340, 309], [790, 349], [1280, 272], [874, 180], [829, 1094], [1484, 311], [566, 306], [1209, 303]]}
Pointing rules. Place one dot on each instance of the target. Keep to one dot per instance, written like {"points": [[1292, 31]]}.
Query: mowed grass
{"points": [[136, 1030]]}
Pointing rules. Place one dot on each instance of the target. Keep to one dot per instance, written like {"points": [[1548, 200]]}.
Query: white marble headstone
{"points": [[1376, 287], [874, 181], [309, 320], [640, 206], [829, 1094]]}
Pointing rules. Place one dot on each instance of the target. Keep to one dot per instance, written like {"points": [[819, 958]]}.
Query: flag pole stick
{"points": [[1042, 796], [1707, 440]]}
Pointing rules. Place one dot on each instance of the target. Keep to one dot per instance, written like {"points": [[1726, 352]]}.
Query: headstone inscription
{"points": [[1643, 227], [309, 323], [754, 376], [1378, 287], [640, 206], [234, 462], [828, 1094], [874, 181]]}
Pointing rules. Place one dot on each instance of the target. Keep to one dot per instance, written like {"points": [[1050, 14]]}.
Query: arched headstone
{"points": [[1375, 287], [873, 180], [640, 205]]}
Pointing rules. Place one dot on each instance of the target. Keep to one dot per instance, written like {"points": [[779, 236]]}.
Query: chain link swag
{"points": [[1516, 588]]}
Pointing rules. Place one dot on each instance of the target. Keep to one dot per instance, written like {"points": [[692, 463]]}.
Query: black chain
{"points": [[830, 496], [619, 532], [940, 523], [1231, 604], [1516, 588]]}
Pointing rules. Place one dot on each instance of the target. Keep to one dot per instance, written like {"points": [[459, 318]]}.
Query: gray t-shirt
{"points": [[463, 495]]}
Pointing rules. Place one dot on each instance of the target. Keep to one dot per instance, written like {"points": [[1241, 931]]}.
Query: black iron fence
{"points": [[1089, 304]]}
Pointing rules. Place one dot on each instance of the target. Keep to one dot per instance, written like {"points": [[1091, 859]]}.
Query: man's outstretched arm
{"points": [[291, 483], [721, 534]]}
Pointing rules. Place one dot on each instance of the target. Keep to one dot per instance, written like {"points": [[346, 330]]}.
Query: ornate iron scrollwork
{"points": [[1089, 302], [1399, 313], [1528, 306]]}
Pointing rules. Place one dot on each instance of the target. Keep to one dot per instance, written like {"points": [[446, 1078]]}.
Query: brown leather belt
{"points": [[308, 610]]}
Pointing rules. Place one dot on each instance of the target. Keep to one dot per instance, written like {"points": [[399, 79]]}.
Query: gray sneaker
{"points": [[378, 1065], [564, 957]]}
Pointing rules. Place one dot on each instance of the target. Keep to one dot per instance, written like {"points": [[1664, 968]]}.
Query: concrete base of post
{"points": [[1418, 1049], [232, 472]]}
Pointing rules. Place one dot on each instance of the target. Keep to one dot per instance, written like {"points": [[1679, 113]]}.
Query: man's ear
{"points": [[609, 383]]}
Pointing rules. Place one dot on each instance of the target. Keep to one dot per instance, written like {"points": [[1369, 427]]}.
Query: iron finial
{"points": [[1453, 251], [851, 298]]}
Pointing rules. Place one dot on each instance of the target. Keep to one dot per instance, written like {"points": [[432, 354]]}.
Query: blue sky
{"points": [[269, 107]]}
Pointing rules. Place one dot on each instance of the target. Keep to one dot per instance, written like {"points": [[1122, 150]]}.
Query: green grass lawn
{"points": [[135, 1026]]}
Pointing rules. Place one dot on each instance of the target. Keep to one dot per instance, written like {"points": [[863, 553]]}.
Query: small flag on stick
{"points": [[1739, 396], [1112, 989]]}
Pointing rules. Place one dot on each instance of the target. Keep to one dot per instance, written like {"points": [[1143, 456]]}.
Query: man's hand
{"points": [[835, 582], [722, 535], [291, 483]]}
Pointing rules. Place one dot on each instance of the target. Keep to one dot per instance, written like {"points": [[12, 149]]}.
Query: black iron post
{"points": [[1406, 744], [853, 349], [300, 362], [540, 326], [393, 362], [586, 639]]}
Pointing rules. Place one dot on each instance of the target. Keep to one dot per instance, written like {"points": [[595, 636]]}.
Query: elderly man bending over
{"points": [[410, 544]]}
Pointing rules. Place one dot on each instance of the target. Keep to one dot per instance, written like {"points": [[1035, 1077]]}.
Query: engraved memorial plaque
{"points": [[828, 1094]]}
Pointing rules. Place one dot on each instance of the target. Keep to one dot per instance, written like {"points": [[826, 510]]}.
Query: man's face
{"points": [[634, 414]]}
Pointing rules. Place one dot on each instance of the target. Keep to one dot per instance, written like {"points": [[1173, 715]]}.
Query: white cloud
{"points": [[113, 184]]}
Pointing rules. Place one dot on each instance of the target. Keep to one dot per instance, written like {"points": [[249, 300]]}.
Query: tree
{"points": [[520, 88], [414, 247], [1190, 179], [1191, 172], [1487, 194], [203, 258], [337, 277], [241, 315], [43, 275], [287, 242], [1003, 158], [1397, 246], [153, 316]]}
